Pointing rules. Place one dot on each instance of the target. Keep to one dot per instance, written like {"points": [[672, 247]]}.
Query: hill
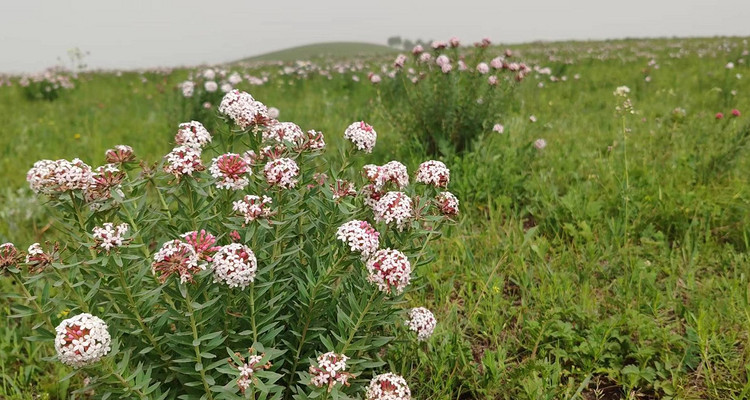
{"points": [[319, 50]]}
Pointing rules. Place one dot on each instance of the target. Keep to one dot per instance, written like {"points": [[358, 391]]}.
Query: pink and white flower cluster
{"points": [[394, 208], [330, 370], [243, 109], [284, 131], [82, 340], [422, 322], [389, 270], [434, 173], [253, 207], [392, 171], [388, 386], [448, 203], [281, 172], [360, 236], [235, 265], [108, 236], [362, 135], [176, 257], [183, 160], [192, 134], [51, 177], [231, 171]]}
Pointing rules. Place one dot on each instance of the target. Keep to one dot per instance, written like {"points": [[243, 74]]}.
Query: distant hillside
{"points": [[319, 50]]}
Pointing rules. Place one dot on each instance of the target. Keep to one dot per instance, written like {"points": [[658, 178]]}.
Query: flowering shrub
{"points": [[258, 277], [203, 90], [447, 97], [47, 85]]}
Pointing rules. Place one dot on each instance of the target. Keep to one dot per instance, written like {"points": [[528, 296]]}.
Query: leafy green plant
{"points": [[232, 281], [447, 98]]}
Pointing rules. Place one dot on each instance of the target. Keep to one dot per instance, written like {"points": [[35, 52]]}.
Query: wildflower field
{"points": [[462, 221]]}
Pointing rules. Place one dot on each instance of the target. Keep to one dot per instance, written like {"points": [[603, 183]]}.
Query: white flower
{"points": [[394, 207], [183, 160], [107, 236], [622, 91], [499, 128], [282, 172], [540, 144], [360, 236], [434, 173], [253, 207], [448, 203], [421, 321], [389, 270], [483, 68], [82, 340], [243, 109], [235, 264], [392, 171], [211, 86], [192, 134], [176, 257], [330, 370], [187, 87], [49, 177], [388, 386], [284, 131], [362, 135]]}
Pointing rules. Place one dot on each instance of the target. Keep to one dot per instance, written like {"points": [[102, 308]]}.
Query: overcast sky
{"points": [[148, 33]]}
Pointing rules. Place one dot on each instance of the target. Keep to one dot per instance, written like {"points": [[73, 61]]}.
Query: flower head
{"points": [[202, 242], [183, 160], [282, 172], [284, 131], [360, 236], [82, 340], [176, 257], [243, 109], [421, 321], [499, 128], [448, 203], [434, 173], [330, 370], [192, 134], [394, 207], [120, 154], [371, 195], [362, 135], [38, 259], [235, 264], [109, 236], [540, 144], [483, 68], [342, 188], [247, 368], [231, 171], [392, 171], [388, 386], [389, 270], [253, 207], [9, 256], [51, 177]]}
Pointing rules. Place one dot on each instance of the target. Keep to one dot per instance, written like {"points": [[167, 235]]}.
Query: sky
{"points": [[35, 34]]}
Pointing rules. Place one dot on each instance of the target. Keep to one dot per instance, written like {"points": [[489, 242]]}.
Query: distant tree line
{"points": [[407, 44]]}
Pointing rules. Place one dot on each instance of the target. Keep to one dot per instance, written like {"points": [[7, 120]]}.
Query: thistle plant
{"points": [[258, 274]]}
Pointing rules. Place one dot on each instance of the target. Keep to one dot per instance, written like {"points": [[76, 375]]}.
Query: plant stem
{"points": [[359, 321], [32, 299], [125, 383], [252, 312], [196, 347]]}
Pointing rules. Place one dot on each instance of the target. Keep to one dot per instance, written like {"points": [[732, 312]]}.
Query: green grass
{"points": [[323, 50], [610, 265]]}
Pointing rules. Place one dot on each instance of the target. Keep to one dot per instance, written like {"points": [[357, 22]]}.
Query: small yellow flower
{"points": [[63, 313], [77, 136], [495, 289]]}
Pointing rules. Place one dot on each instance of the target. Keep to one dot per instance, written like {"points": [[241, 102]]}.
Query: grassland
{"points": [[612, 264]]}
